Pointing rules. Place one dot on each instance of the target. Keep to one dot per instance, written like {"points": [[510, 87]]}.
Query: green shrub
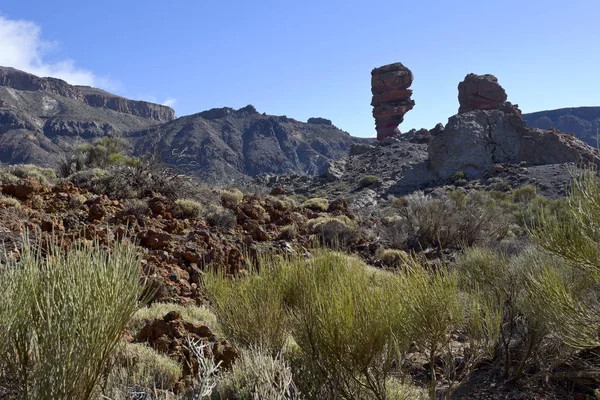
{"points": [[231, 196], [368, 181], [317, 204], [250, 310], [524, 194], [334, 231], [221, 217], [454, 221], [42, 175], [103, 153], [392, 258], [187, 208], [138, 208], [10, 202], [256, 375], [80, 299]]}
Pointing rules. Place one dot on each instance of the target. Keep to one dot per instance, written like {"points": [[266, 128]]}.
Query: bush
{"points": [[137, 365], [103, 153], [10, 202], [368, 181], [187, 208], [256, 375], [316, 204], [250, 310], [28, 171], [231, 196], [454, 221], [137, 208], [392, 258], [524, 194], [334, 231], [221, 217], [80, 299]]}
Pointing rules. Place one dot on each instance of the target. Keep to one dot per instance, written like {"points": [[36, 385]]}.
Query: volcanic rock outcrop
{"points": [[480, 92], [489, 130], [391, 98]]}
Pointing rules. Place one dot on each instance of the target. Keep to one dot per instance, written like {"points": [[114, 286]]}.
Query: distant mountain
{"points": [[42, 118], [583, 122]]}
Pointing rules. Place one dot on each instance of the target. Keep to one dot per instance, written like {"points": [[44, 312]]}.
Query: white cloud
{"points": [[170, 102], [22, 47]]}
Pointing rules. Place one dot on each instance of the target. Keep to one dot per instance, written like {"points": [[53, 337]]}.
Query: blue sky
{"points": [[310, 58]]}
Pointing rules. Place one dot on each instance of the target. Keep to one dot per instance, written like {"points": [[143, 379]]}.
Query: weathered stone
{"points": [[480, 92], [391, 98]]}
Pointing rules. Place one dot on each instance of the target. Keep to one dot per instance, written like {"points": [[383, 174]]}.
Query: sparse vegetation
{"points": [[368, 181], [184, 208], [316, 204]]}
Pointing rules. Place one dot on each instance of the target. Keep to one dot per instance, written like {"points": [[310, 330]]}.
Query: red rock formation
{"points": [[391, 98], [480, 92]]}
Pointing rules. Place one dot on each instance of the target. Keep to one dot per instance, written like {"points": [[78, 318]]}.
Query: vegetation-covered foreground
{"points": [[123, 280]]}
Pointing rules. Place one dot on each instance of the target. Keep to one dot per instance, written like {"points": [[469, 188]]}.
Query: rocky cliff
{"points": [[583, 122], [23, 81]]}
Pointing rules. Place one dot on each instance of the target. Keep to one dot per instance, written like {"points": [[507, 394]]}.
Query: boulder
{"points": [[391, 98], [480, 92]]}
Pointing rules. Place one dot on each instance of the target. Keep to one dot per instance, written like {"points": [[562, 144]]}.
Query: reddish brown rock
{"points": [[391, 98], [480, 92], [23, 189], [155, 239]]}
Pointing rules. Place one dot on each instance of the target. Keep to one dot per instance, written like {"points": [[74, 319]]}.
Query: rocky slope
{"points": [[226, 145], [583, 122], [41, 119]]}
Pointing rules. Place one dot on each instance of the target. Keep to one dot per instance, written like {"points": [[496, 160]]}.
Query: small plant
{"points": [[334, 231], [194, 314], [257, 375], [137, 365], [9, 202], [524, 194], [231, 196], [221, 217], [28, 171], [138, 208], [184, 208], [392, 258], [368, 180], [316, 204]]}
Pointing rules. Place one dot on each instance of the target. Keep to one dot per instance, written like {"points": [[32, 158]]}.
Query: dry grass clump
{"points": [[256, 375], [231, 195], [458, 220], [393, 258], [185, 208], [221, 217], [29, 171], [81, 299], [334, 231], [135, 365], [9, 202], [317, 204]]}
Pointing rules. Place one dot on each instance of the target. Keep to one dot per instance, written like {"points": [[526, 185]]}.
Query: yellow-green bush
{"points": [[62, 315], [137, 365], [42, 175], [256, 375], [368, 181], [317, 204], [334, 231], [10, 202], [392, 258], [231, 195], [185, 208]]}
